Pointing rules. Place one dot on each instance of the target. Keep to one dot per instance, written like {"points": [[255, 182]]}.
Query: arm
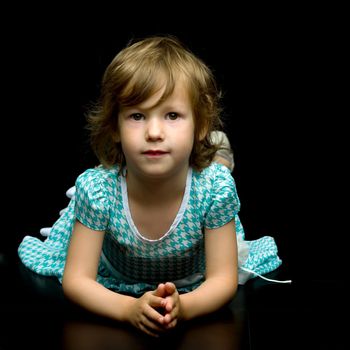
{"points": [[223, 161], [221, 274], [79, 285], [79, 278]]}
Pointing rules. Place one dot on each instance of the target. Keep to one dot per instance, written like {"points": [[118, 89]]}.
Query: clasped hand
{"points": [[156, 311]]}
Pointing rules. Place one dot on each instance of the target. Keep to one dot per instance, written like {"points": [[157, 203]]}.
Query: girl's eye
{"points": [[172, 116], [136, 116]]}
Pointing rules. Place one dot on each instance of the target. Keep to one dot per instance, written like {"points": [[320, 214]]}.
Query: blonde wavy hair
{"points": [[134, 75]]}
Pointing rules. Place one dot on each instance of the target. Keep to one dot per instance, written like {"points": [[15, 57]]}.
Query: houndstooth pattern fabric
{"points": [[98, 204]]}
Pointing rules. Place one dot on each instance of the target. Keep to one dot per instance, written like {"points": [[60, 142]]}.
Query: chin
{"points": [[161, 171]]}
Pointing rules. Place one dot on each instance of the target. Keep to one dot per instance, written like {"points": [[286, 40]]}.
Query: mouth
{"points": [[155, 153]]}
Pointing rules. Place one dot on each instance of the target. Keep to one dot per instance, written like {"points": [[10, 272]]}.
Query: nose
{"points": [[154, 130]]}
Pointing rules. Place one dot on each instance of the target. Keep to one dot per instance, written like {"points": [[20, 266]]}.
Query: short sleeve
{"points": [[224, 202], [91, 205]]}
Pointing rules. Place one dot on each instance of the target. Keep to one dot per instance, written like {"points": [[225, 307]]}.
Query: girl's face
{"points": [[157, 140]]}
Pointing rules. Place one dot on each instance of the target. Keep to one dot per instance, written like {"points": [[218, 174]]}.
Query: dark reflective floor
{"points": [[263, 315]]}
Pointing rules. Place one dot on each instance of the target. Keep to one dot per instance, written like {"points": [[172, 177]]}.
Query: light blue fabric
{"points": [[132, 264]]}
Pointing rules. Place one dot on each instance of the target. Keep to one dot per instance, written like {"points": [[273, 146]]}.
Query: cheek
{"points": [[127, 133], [127, 143], [186, 138]]}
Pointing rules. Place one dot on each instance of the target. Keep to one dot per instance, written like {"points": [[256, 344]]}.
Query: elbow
{"points": [[68, 287], [231, 289], [234, 288]]}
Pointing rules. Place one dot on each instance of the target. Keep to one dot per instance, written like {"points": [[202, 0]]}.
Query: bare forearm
{"points": [[95, 298], [209, 297]]}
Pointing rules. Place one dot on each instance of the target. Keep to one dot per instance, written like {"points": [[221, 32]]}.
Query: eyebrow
{"points": [[175, 107], [169, 107]]}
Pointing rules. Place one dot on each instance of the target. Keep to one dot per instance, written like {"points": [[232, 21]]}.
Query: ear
{"points": [[116, 137], [203, 132]]}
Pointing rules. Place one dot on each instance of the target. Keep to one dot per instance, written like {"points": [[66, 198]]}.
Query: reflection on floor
{"points": [[263, 315]]}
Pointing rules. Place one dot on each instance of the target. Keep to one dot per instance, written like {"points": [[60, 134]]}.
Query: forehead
{"points": [[179, 97]]}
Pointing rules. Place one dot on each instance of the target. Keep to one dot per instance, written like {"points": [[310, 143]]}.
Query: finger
{"points": [[169, 304], [160, 291], [167, 319], [151, 323], [170, 288], [152, 327], [173, 313], [172, 324], [172, 298], [153, 315], [146, 330], [157, 302]]}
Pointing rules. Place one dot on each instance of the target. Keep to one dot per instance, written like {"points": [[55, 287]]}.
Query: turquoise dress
{"points": [[132, 264]]}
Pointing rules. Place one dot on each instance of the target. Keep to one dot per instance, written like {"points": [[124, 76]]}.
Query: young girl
{"points": [[150, 236]]}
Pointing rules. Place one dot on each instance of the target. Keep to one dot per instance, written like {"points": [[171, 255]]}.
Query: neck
{"points": [[150, 189]]}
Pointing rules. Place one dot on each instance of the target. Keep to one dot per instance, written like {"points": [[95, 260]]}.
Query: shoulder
{"points": [[94, 196], [213, 176], [216, 185], [97, 176], [97, 182], [219, 195]]}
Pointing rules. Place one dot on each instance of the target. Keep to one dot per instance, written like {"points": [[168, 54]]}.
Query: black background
{"points": [[282, 77]]}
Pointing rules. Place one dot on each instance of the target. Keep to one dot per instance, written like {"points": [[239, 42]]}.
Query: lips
{"points": [[155, 152]]}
